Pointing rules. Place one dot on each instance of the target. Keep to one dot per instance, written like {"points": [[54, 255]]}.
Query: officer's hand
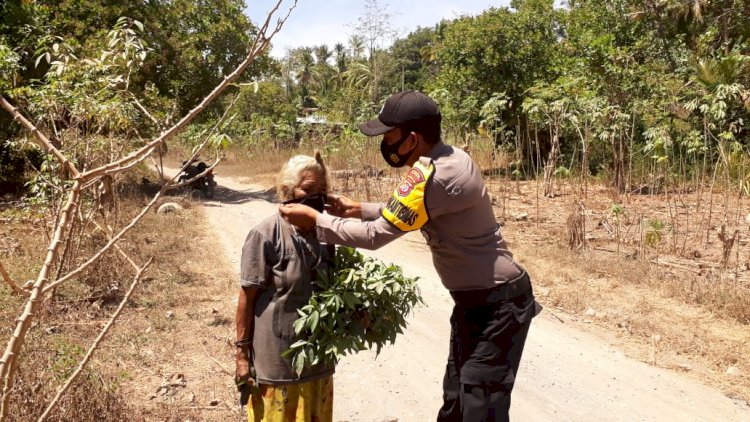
{"points": [[341, 206], [298, 215]]}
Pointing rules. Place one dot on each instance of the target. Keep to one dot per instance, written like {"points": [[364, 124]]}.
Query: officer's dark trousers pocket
{"points": [[485, 352]]}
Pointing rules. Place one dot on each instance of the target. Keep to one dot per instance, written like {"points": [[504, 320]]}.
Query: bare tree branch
{"points": [[10, 282], [132, 224], [106, 247], [145, 111], [95, 344], [15, 344], [259, 46], [118, 248]]}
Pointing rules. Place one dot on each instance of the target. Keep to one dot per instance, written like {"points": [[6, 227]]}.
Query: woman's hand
{"points": [[243, 373], [341, 206]]}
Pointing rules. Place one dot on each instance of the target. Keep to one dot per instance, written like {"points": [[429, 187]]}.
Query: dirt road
{"points": [[567, 374]]}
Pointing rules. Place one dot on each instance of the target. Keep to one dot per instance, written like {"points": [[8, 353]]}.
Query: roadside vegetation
{"points": [[612, 136], [149, 367]]}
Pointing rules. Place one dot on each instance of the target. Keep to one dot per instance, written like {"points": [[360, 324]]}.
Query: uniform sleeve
{"points": [[371, 210], [437, 200], [454, 189], [256, 262], [356, 233]]}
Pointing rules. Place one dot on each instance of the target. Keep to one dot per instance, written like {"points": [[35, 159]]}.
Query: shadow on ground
{"points": [[222, 194], [226, 195]]}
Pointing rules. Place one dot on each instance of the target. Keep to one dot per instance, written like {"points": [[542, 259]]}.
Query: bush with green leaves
{"points": [[361, 303]]}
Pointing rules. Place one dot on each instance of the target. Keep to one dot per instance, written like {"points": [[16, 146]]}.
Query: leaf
{"points": [[298, 343], [299, 325], [350, 277], [314, 317], [288, 354], [299, 363], [349, 299]]}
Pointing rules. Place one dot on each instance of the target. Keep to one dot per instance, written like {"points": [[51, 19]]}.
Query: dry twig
{"points": [[222, 367], [95, 344], [9, 281]]}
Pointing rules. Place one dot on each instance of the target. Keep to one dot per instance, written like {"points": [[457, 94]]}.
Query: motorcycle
{"points": [[205, 184]]}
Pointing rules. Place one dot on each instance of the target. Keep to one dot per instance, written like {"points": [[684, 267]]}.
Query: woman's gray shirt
{"points": [[279, 263]]}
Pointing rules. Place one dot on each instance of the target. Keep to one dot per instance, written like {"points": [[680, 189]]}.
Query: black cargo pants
{"points": [[488, 333]]}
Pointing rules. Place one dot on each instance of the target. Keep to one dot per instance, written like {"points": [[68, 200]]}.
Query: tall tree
{"points": [[413, 69], [341, 57], [194, 42], [374, 28], [500, 51]]}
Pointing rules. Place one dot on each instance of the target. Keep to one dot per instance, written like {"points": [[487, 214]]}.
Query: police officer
{"points": [[444, 196]]}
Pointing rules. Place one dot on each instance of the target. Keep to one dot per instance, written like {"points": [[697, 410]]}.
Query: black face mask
{"points": [[390, 152], [316, 201]]}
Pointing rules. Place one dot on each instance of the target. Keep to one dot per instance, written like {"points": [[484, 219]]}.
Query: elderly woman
{"points": [[278, 267]]}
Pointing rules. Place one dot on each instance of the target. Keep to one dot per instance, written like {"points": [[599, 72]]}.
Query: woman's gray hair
{"points": [[290, 175]]}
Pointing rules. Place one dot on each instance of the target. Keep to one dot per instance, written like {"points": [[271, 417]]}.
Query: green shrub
{"points": [[362, 303]]}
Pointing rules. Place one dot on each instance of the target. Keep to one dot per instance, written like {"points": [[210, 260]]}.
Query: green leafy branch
{"points": [[359, 305]]}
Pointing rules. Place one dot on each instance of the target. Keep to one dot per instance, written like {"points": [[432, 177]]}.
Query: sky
{"points": [[315, 22]]}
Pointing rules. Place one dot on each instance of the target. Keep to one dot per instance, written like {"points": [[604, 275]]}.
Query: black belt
{"points": [[506, 291]]}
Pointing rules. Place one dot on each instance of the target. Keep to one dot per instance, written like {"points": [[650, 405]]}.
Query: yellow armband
{"points": [[406, 209]]}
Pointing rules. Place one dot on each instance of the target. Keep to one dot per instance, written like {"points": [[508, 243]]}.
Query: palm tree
{"points": [[358, 76], [302, 63], [341, 59], [322, 54], [324, 73], [357, 46]]}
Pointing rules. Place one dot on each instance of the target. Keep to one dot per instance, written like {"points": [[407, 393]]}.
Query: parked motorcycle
{"points": [[205, 184]]}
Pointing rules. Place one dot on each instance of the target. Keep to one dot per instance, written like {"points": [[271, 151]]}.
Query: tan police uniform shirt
{"points": [[468, 250]]}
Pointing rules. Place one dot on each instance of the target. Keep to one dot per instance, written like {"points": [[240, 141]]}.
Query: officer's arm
{"points": [[356, 233], [371, 211], [341, 206]]}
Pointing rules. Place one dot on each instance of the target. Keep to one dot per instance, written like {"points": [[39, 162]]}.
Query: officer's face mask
{"points": [[316, 201], [390, 152]]}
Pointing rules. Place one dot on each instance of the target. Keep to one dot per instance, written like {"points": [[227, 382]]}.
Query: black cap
{"points": [[402, 109]]}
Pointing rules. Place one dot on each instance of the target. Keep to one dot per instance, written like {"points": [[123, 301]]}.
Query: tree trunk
{"points": [[618, 165], [585, 161], [549, 167]]}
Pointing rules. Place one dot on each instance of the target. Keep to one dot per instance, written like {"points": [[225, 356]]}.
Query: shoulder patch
{"points": [[413, 178], [406, 209]]}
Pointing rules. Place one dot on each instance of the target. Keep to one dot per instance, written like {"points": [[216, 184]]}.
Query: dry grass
{"points": [[634, 300], [155, 337], [51, 356]]}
